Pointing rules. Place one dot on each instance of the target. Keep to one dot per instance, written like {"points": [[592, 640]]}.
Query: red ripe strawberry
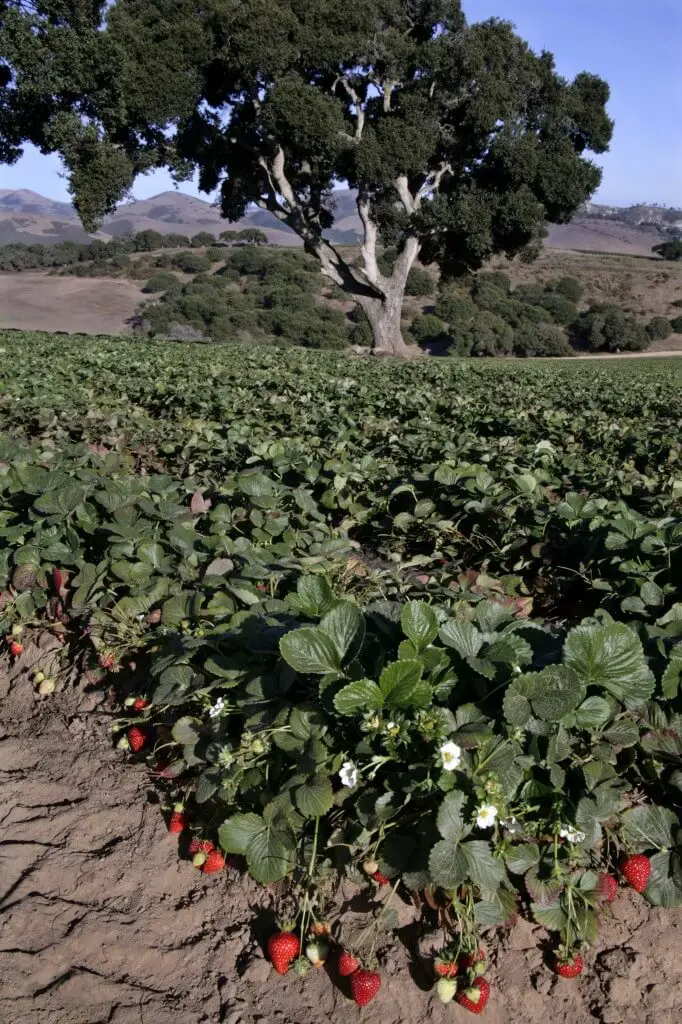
{"points": [[214, 862], [106, 661], [380, 878], [347, 963], [283, 948], [607, 887], [445, 968], [200, 846], [179, 820], [15, 648], [140, 704], [364, 985], [475, 998], [636, 871], [569, 966], [137, 738]]}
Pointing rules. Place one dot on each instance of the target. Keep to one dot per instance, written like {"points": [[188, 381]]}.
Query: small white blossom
{"points": [[511, 825], [348, 774], [572, 834], [217, 708], [451, 755], [485, 815]]}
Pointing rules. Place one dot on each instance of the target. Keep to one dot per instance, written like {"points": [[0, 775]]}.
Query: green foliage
{"points": [[568, 286], [420, 282], [191, 262], [202, 238], [658, 328], [490, 335], [430, 332], [538, 339], [532, 663], [669, 250], [161, 283], [676, 324], [488, 140], [609, 328]]}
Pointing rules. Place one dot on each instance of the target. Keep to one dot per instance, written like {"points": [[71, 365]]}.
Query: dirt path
{"points": [[86, 305], [101, 923]]}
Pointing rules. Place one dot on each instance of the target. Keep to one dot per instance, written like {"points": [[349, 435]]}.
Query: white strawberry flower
{"points": [[217, 708], [451, 756], [485, 815], [572, 835], [348, 774]]}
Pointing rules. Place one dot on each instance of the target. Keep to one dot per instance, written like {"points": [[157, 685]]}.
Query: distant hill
{"points": [[26, 216]]}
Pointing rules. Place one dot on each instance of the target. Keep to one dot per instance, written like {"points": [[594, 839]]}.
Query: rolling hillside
{"points": [[26, 216]]}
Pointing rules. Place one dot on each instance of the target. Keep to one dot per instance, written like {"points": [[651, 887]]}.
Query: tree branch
{"points": [[355, 99], [406, 197]]}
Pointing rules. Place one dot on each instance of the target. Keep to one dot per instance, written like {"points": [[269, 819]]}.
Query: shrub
{"points": [[515, 313], [160, 283], [676, 325], [164, 261], [541, 340], [496, 279], [609, 328], [215, 254], [658, 328], [568, 286], [669, 250], [202, 238], [420, 282], [560, 309], [490, 335], [532, 293], [488, 296], [457, 310], [430, 331], [191, 262], [361, 334]]}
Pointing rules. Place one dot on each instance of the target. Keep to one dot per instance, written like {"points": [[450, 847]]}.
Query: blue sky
{"points": [[637, 47]]}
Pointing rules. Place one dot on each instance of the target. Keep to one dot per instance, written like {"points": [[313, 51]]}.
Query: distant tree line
{"points": [[18, 256]]}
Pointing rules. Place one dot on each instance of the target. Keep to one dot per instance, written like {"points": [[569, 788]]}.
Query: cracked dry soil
{"points": [[101, 922]]}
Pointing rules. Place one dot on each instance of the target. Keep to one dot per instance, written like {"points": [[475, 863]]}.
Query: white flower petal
{"points": [[486, 815], [451, 755]]}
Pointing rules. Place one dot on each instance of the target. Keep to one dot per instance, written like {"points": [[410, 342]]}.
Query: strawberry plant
{"points": [[418, 627]]}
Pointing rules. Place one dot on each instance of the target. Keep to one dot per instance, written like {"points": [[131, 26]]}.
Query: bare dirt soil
{"points": [[78, 305], [102, 923]]}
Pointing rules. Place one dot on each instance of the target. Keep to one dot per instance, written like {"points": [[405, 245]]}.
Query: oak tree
{"points": [[457, 140]]}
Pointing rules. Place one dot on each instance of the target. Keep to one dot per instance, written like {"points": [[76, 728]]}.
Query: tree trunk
{"points": [[384, 317]]}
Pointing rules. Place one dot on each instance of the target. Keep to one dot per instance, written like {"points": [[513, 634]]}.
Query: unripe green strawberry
{"points": [[445, 989], [317, 951], [370, 867], [38, 678], [46, 687]]}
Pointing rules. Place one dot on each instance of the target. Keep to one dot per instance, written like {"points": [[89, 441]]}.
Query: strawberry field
{"points": [[414, 630]]}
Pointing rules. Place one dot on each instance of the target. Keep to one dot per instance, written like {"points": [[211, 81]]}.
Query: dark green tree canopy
{"points": [[459, 140]]}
